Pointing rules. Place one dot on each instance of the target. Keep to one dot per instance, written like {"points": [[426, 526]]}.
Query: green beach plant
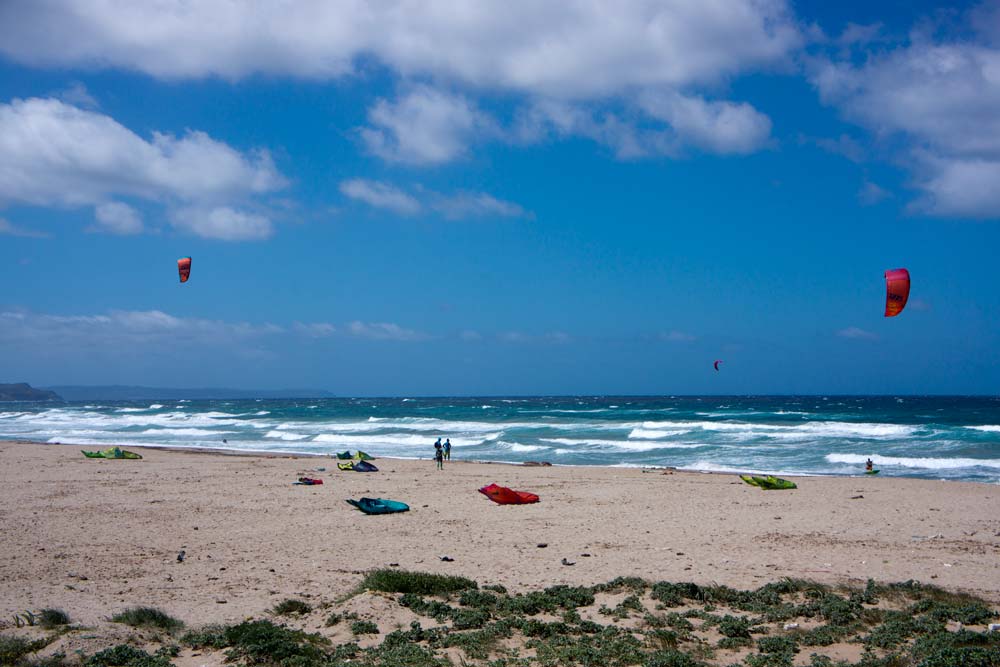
{"points": [[291, 607], [148, 617], [51, 618]]}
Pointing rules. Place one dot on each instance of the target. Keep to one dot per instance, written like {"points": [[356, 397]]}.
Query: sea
{"points": [[933, 437]]}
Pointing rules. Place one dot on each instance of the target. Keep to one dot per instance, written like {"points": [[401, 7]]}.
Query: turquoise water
{"points": [[931, 437]]}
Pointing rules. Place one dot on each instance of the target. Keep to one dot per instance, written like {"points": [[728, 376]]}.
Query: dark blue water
{"points": [[931, 437]]}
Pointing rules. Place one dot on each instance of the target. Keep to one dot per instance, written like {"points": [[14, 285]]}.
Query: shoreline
{"points": [[268, 453]]}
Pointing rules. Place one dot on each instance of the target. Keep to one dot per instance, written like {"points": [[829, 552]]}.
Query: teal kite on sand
{"points": [[112, 453], [768, 483], [379, 506]]}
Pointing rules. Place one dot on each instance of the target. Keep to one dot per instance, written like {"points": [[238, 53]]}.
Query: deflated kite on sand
{"points": [[379, 506], [768, 483], [357, 466], [504, 496], [112, 453]]}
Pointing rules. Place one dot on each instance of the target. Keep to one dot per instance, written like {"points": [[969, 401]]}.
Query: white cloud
{"points": [[119, 327], [856, 333], [465, 205], [383, 331], [871, 194], [55, 154], [425, 126], [942, 100], [381, 195], [576, 48], [78, 95], [315, 329], [470, 335], [118, 218], [718, 127], [6, 228], [457, 206], [222, 223], [677, 336], [157, 328]]}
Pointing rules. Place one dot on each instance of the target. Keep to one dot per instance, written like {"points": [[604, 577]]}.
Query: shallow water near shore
{"points": [[932, 437]]}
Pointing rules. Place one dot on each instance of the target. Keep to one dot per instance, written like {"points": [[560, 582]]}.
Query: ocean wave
{"points": [[184, 431], [624, 445], [154, 406], [988, 428], [285, 435], [648, 434], [929, 463]]}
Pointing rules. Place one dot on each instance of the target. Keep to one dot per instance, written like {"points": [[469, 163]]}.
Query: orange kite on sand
{"points": [[504, 496]]}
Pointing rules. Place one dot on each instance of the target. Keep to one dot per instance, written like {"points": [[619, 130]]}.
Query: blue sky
{"points": [[518, 198]]}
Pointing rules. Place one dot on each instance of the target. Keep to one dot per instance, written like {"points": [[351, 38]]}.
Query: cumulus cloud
{"points": [[118, 218], [718, 127], [56, 154], [6, 228], [424, 126], [856, 333], [575, 48], [381, 195], [222, 223], [456, 206], [941, 98], [578, 51]]}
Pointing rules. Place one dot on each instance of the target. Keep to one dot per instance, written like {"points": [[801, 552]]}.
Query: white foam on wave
{"points": [[285, 435], [394, 440], [627, 445], [650, 434], [987, 428], [154, 406], [181, 432], [518, 447], [131, 409], [929, 463]]}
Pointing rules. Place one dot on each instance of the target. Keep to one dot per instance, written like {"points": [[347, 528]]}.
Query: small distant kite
{"points": [[184, 268], [897, 291], [716, 364]]}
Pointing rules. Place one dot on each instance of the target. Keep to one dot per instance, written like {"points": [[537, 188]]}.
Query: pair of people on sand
{"points": [[442, 452]]}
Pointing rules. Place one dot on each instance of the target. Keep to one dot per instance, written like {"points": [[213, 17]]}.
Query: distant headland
{"points": [[22, 391]]}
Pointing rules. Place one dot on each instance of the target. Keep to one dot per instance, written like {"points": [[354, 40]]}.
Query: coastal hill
{"points": [[22, 391], [130, 393]]}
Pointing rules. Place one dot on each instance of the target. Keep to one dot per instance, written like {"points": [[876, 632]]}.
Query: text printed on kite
{"points": [[897, 291], [184, 268]]}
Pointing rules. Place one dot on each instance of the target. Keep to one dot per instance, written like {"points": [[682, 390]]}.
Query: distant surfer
{"points": [[869, 466], [447, 449]]}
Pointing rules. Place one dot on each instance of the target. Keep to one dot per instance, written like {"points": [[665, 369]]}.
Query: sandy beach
{"points": [[96, 536]]}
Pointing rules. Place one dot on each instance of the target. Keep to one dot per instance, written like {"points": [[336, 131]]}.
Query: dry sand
{"points": [[95, 536]]}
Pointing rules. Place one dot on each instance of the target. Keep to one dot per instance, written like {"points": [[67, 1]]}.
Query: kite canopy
{"points": [[112, 453], [184, 268], [357, 466], [379, 506], [504, 496], [344, 455], [768, 483], [361, 456], [716, 364], [897, 291]]}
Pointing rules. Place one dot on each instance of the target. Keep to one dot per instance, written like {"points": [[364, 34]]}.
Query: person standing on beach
{"points": [[439, 454], [447, 449]]}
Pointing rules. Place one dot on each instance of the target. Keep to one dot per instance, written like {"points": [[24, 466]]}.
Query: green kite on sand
{"points": [[768, 483], [112, 453], [357, 456]]}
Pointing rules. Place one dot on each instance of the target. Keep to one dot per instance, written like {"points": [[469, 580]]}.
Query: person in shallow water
{"points": [[869, 465], [439, 455], [447, 449]]}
